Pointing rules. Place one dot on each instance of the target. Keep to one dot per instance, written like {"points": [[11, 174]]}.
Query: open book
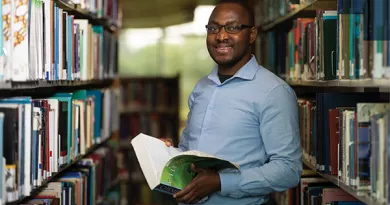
{"points": [[168, 170]]}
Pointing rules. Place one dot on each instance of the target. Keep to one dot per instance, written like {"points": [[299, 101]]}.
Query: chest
{"points": [[224, 108]]}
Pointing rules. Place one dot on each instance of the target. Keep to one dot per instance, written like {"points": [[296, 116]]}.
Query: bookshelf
{"points": [[76, 10], [59, 117], [343, 90], [149, 105], [91, 150], [362, 196], [305, 9]]}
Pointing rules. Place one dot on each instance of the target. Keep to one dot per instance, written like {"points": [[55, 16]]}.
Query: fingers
{"points": [[190, 197], [168, 141], [197, 170], [183, 192]]}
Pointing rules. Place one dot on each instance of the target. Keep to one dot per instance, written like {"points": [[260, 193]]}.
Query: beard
{"points": [[226, 61]]}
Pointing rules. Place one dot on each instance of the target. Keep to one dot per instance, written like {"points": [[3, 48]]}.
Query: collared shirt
{"points": [[251, 119]]}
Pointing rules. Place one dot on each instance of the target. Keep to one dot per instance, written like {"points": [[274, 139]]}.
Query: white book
{"points": [[167, 169], [60, 45], [80, 122], [84, 64], [54, 105], [40, 44], [20, 57], [7, 11], [27, 148], [48, 40], [51, 142], [40, 165]]}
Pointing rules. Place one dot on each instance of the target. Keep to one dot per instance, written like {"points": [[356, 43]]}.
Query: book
{"points": [[167, 169]]}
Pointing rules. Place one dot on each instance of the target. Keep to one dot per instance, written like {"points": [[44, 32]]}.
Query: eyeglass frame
{"points": [[242, 27]]}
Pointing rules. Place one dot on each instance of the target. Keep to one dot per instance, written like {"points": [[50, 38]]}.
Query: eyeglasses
{"points": [[230, 28]]}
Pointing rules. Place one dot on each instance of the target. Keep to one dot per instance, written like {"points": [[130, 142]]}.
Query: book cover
{"points": [[167, 169]]}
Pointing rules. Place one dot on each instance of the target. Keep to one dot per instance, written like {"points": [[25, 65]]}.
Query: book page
{"points": [[152, 155]]}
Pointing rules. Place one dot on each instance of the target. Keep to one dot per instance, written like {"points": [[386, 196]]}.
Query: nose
{"points": [[222, 35]]}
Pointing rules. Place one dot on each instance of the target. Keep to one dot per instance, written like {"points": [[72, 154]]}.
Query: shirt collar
{"points": [[247, 72]]}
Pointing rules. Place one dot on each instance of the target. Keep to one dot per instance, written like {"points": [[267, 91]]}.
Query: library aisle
{"points": [[71, 102]]}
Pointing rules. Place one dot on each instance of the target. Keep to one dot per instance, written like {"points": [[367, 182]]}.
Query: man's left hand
{"points": [[204, 184]]}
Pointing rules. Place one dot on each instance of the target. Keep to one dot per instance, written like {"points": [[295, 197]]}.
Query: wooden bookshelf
{"points": [[67, 167], [301, 10], [362, 196], [80, 13]]}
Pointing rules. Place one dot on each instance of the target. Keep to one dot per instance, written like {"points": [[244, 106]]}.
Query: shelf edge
{"points": [[360, 195], [36, 191]]}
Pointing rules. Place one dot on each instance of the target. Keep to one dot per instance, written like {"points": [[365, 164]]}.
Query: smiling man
{"points": [[243, 113]]}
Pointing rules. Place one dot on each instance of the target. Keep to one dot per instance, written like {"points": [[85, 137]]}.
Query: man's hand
{"points": [[204, 184], [168, 141]]}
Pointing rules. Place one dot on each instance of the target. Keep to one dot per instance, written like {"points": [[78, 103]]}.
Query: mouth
{"points": [[223, 49]]}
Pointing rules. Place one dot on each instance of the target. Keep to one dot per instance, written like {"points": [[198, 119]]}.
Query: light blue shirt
{"points": [[251, 119]]}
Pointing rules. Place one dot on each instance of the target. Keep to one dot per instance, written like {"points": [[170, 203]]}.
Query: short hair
{"points": [[244, 5]]}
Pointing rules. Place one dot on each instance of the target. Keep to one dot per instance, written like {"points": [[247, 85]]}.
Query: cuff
{"points": [[229, 182]]}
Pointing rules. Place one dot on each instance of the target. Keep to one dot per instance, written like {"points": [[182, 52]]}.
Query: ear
{"points": [[253, 34]]}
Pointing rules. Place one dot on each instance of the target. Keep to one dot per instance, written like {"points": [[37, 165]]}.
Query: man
{"points": [[243, 113]]}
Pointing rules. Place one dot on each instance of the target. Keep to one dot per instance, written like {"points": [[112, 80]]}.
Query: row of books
{"points": [[149, 95], [314, 190], [101, 9], [153, 124], [42, 41], [346, 135], [89, 182], [41, 136], [269, 10], [348, 43]]}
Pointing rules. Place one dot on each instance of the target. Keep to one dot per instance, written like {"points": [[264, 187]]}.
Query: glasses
{"points": [[230, 28]]}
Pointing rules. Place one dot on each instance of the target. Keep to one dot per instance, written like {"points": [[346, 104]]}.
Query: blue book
{"points": [[97, 95]]}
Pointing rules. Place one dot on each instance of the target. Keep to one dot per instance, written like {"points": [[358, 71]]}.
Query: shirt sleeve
{"points": [[279, 129], [183, 144]]}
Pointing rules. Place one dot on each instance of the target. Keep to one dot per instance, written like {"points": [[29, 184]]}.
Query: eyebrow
{"points": [[228, 22]]}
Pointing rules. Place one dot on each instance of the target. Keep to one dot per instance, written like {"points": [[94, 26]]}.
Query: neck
{"points": [[232, 69]]}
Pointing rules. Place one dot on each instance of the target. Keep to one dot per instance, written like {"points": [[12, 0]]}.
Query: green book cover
{"points": [[168, 170]]}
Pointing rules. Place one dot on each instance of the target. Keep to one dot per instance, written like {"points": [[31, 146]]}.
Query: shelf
{"points": [[362, 196], [80, 13], [57, 86], [36, 191], [301, 10], [382, 84]]}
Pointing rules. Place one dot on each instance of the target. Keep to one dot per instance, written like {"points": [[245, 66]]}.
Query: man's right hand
{"points": [[168, 141]]}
